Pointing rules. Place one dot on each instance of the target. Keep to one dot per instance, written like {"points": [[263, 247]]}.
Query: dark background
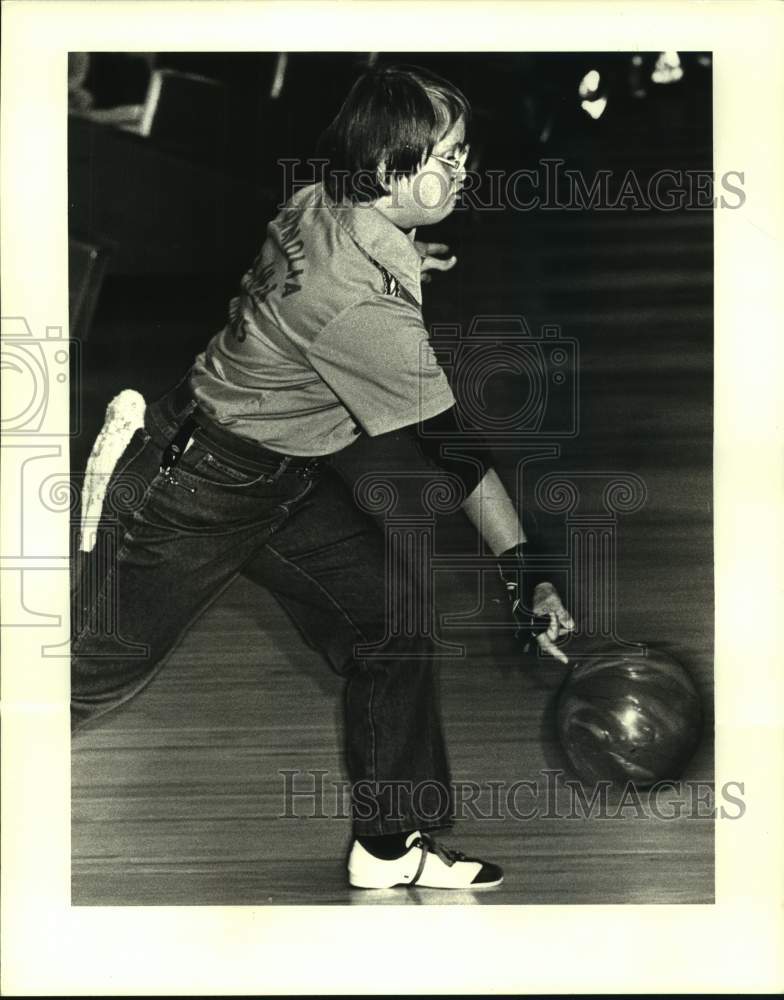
{"points": [[177, 217]]}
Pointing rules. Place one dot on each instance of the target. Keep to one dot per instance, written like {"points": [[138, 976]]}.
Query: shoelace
{"points": [[448, 855]]}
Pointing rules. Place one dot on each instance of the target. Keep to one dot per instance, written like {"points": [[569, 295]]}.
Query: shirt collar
{"points": [[383, 241]]}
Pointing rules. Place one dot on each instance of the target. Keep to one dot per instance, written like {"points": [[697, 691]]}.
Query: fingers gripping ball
{"points": [[529, 625], [536, 607], [627, 717]]}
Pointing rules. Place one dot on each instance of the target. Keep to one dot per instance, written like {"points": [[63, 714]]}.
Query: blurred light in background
{"points": [[668, 68], [636, 81], [593, 102], [279, 78], [589, 85], [595, 108]]}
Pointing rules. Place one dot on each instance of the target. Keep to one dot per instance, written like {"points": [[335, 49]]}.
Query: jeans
{"points": [[169, 543]]}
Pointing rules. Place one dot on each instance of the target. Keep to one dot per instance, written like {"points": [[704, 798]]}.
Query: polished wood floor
{"points": [[179, 798]]}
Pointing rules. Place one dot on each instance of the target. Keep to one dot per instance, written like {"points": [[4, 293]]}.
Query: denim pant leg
{"points": [[326, 566], [167, 546]]}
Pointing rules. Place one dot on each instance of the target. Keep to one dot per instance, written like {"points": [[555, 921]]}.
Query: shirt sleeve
{"points": [[376, 358]]}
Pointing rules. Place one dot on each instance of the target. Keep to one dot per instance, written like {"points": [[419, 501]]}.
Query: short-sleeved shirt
{"points": [[326, 338]]}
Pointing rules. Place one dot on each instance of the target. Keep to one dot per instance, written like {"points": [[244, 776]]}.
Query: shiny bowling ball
{"points": [[626, 717]]}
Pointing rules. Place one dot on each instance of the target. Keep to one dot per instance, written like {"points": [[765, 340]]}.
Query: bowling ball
{"points": [[627, 717]]}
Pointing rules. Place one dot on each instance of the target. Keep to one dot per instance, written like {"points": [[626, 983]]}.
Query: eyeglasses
{"points": [[455, 163]]}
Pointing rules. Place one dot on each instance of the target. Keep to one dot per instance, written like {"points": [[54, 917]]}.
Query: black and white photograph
{"points": [[384, 438], [395, 458]]}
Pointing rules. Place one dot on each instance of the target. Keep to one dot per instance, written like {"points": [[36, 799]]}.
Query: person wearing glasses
{"points": [[249, 464]]}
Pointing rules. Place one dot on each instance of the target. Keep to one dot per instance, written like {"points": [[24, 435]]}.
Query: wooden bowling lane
{"points": [[180, 797]]}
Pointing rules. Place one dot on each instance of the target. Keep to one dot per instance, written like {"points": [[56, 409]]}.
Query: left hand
{"points": [[434, 257], [547, 602]]}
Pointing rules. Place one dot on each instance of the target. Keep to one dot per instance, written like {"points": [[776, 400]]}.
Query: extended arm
{"points": [[491, 510], [488, 506]]}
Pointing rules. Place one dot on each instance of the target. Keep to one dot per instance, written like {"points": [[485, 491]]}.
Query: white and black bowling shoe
{"points": [[425, 864]]}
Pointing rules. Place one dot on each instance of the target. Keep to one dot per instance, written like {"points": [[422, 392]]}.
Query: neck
{"points": [[398, 216]]}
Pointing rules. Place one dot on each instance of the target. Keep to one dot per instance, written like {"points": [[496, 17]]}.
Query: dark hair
{"points": [[394, 115]]}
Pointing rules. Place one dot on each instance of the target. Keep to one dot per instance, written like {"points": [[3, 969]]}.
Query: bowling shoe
{"points": [[425, 864]]}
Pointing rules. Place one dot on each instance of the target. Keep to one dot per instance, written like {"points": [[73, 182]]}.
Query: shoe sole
{"points": [[421, 885]]}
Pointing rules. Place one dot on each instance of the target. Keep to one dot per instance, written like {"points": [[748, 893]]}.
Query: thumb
{"points": [[547, 644]]}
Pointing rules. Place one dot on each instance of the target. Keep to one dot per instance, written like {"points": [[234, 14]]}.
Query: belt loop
{"points": [[177, 445], [280, 469]]}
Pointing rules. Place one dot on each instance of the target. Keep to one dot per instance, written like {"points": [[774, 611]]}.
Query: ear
{"points": [[382, 180]]}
